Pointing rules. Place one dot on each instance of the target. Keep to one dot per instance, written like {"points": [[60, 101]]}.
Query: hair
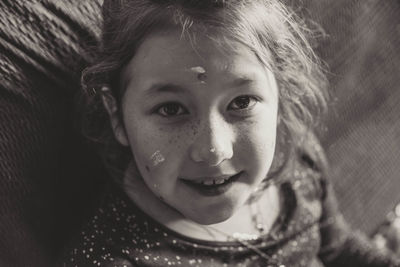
{"points": [[277, 36]]}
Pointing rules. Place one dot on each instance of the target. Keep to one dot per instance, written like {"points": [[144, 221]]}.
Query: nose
{"points": [[213, 143]]}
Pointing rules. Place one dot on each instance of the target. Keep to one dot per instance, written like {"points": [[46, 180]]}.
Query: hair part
{"points": [[277, 36]]}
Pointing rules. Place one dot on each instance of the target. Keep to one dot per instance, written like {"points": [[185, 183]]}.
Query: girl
{"points": [[209, 103]]}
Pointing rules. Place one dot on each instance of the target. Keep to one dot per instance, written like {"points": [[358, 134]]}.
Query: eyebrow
{"points": [[164, 88], [242, 81], [174, 88]]}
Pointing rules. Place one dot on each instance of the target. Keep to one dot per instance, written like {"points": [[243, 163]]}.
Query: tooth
{"points": [[219, 181], [209, 182]]}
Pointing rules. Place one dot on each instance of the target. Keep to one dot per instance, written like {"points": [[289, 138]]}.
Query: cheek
{"points": [[156, 158], [147, 145], [151, 155], [159, 151], [257, 142]]}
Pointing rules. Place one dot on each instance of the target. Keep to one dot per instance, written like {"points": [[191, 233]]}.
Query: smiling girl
{"points": [[202, 111]]}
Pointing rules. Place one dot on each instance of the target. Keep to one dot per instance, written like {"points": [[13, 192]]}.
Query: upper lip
{"points": [[208, 177]]}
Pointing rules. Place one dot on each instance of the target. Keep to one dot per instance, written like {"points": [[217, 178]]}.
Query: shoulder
{"points": [[311, 180], [307, 161], [308, 174], [102, 238]]}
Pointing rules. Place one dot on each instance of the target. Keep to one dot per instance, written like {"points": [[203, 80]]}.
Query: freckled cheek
{"points": [[161, 154], [147, 147], [162, 162], [256, 143], [151, 158]]}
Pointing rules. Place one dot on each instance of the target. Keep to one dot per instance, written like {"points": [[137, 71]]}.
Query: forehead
{"points": [[170, 55]]}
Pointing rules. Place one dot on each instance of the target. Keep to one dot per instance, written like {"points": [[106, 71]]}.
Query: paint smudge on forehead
{"points": [[198, 69], [157, 158], [201, 73]]}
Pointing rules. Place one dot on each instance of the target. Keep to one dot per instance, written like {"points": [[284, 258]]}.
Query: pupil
{"points": [[171, 109], [243, 102]]}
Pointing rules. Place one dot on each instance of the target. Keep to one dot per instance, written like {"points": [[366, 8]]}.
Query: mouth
{"points": [[212, 186]]}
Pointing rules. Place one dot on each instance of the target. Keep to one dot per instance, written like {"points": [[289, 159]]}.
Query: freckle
{"points": [[174, 140], [147, 168], [194, 129]]}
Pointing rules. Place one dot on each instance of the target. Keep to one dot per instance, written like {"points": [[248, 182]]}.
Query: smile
{"points": [[213, 181], [212, 186]]}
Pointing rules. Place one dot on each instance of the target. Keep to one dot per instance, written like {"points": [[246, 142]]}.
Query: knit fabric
{"points": [[362, 141], [43, 48]]}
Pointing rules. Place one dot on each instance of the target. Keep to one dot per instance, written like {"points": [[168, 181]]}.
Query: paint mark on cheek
{"points": [[157, 158]]}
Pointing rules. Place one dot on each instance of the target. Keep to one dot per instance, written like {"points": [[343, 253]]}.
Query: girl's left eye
{"points": [[171, 109], [243, 103]]}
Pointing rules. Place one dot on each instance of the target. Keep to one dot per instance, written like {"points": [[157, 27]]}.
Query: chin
{"points": [[212, 218]]}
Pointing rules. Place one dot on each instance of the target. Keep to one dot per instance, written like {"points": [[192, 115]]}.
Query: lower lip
{"points": [[214, 190]]}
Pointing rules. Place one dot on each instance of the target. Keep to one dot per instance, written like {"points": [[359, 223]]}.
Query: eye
{"points": [[171, 109], [243, 102]]}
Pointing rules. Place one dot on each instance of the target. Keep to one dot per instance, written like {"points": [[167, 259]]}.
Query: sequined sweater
{"points": [[310, 232]]}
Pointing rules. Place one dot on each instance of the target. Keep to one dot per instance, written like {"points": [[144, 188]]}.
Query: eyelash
{"points": [[181, 110], [164, 105], [250, 105]]}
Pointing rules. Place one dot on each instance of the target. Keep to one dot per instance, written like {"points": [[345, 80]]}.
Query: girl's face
{"points": [[201, 122]]}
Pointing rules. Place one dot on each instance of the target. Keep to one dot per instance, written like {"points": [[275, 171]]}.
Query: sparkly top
{"points": [[310, 232]]}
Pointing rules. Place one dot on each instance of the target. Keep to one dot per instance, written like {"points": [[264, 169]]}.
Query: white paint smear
{"points": [[157, 158], [198, 69]]}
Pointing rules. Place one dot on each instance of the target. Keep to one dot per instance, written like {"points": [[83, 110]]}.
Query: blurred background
{"points": [[49, 177], [362, 140]]}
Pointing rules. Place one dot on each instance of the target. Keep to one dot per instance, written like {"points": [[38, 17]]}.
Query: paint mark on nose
{"points": [[157, 158]]}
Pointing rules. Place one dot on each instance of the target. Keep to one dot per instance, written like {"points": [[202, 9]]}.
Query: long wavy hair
{"points": [[276, 35]]}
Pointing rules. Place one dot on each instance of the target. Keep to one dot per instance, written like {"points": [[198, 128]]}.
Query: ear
{"points": [[117, 125]]}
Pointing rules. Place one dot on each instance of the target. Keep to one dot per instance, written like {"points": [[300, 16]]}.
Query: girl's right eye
{"points": [[171, 109]]}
